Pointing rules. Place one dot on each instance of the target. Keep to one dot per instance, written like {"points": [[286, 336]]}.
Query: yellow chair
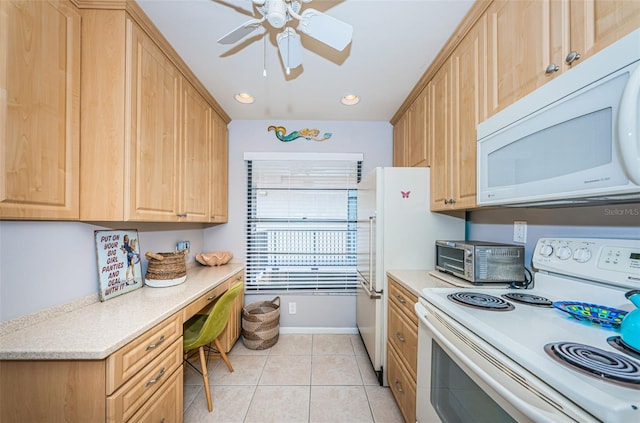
{"points": [[201, 330]]}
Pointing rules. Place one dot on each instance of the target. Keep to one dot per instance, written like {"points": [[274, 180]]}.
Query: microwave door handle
{"points": [[628, 130]]}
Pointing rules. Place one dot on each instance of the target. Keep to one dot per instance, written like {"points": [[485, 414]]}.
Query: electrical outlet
{"points": [[184, 245], [292, 308], [520, 231]]}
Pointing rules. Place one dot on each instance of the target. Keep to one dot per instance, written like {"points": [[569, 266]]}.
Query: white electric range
{"points": [[531, 362]]}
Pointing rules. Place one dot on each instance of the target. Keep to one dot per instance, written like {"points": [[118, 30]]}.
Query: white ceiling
{"points": [[394, 41]]}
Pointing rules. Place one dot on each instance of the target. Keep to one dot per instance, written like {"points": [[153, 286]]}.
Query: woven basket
{"points": [[261, 324], [166, 269]]}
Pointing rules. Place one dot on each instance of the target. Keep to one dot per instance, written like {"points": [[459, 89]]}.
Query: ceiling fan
{"points": [[324, 28]]}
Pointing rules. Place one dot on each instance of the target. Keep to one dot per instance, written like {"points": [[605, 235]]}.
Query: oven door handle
{"points": [[526, 408]]}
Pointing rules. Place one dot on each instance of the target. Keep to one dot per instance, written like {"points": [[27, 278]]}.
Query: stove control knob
{"points": [[582, 255], [468, 253], [546, 250], [564, 252]]}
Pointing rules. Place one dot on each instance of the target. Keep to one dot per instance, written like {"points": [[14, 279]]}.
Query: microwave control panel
{"points": [[615, 261]]}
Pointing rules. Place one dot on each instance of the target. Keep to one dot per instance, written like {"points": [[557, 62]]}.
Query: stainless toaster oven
{"points": [[480, 261]]}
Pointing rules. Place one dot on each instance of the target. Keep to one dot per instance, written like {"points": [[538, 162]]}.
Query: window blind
{"points": [[301, 225]]}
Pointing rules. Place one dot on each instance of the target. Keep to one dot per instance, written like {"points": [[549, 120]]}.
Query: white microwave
{"points": [[575, 140]]}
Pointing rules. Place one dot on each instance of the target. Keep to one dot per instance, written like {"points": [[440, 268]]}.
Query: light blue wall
{"points": [[613, 221], [373, 139], [44, 264]]}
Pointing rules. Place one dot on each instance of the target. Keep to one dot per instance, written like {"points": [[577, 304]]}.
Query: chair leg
{"points": [[223, 354], [205, 378]]}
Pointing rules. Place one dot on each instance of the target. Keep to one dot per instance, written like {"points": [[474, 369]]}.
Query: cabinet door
{"points": [[441, 126], [400, 145], [39, 110], [219, 171], [231, 333], [166, 405], [151, 176], [417, 139], [597, 23], [196, 144], [469, 106], [519, 49]]}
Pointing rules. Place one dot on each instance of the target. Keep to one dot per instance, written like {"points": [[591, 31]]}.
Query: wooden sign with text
{"points": [[119, 267]]}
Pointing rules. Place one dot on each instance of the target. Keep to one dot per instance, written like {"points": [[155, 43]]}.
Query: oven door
{"points": [[461, 378]]}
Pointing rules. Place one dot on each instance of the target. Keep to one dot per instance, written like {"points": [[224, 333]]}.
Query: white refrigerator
{"points": [[396, 230]]}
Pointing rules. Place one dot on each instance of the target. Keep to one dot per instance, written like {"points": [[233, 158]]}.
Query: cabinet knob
{"points": [[400, 337], [399, 386], [552, 68], [181, 215], [572, 57], [401, 299]]}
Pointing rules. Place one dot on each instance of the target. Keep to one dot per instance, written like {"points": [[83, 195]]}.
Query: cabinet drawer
{"points": [[165, 405], [402, 386], [128, 360], [404, 299], [126, 401], [204, 300], [404, 336]]}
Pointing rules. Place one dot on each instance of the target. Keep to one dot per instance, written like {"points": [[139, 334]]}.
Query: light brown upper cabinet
{"points": [[39, 109], [401, 141], [531, 41], [219, 171], [152, 147], [596, 24], [418, 141], [458, 104], [196, 145], [520, 49], [410, 137], [147, 132]]}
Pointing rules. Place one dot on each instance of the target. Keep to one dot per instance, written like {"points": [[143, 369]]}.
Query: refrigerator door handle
{"points": [[371, 252], [374, 295]]}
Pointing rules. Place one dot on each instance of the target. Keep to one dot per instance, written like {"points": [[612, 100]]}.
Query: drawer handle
{"points": [[400, 337], [213, 297], [401, 299], [399, 387], [152, 346], [157, 378]]}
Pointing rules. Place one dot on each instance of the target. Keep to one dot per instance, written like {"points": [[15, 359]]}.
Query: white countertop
{"points": [[95, 331], [416, 280]]}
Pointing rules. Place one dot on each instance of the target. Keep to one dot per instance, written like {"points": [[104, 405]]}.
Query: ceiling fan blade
{"points": [[326, 29], [241, 31], [290, 48]]}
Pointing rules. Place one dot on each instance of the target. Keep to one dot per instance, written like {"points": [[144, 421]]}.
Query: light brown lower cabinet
{"points": [[403, 386], [402, 348], [113, 390]]}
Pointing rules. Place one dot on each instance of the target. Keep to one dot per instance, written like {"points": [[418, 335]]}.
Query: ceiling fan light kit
{"points": [[324, 28]]}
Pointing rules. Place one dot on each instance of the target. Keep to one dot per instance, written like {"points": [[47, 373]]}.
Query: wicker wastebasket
{"points": [[261, 324]]}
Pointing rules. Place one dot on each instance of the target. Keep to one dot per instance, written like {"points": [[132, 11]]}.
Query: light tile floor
{"points": [[302, 378]]}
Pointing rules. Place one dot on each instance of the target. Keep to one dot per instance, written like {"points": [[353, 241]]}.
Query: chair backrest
{"points": [[218, 317]]}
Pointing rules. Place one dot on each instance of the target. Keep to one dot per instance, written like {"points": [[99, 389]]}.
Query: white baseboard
{"points": [[314, 330]]}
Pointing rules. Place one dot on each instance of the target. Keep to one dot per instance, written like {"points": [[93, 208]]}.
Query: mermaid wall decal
{"points": [[306, 133]]}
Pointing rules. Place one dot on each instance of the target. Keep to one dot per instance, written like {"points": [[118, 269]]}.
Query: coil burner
{"points": [[617, 343], [592, 361], [480, 300], [529, 299]]}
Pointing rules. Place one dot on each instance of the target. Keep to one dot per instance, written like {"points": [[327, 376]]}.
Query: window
{"points": [[301, 222]]}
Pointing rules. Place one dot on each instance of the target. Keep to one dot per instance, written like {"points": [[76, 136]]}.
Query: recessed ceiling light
{"points": [[244, 98], [350, 100]]}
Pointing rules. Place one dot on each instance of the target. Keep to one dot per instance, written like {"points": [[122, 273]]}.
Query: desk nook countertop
{"points": [[94, 331]]}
